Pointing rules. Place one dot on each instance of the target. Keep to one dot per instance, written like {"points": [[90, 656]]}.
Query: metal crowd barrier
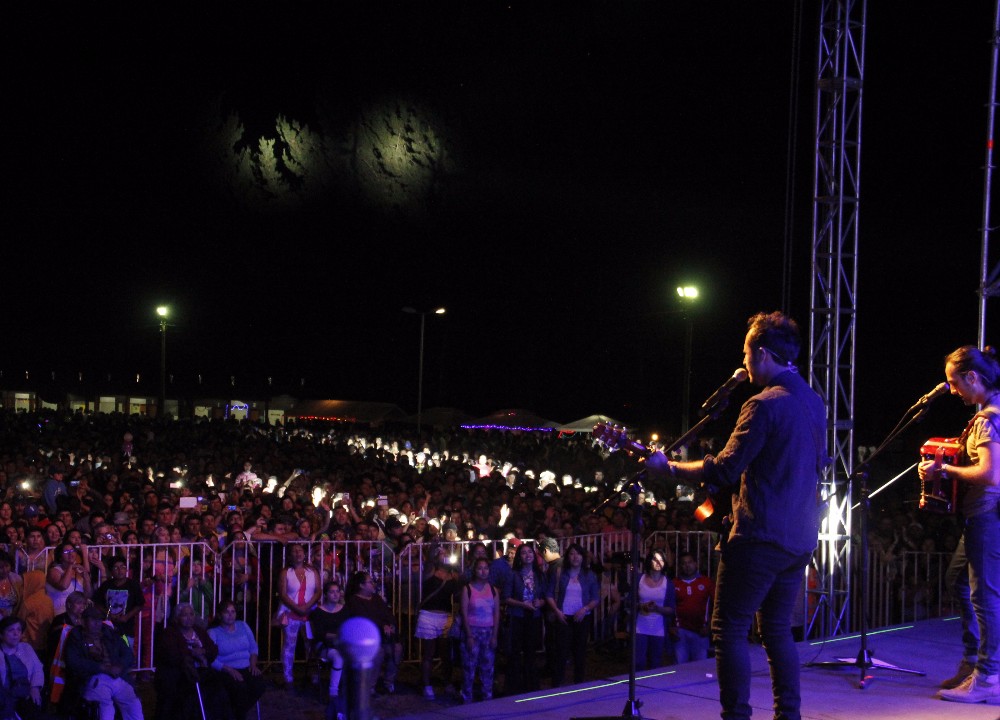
{"points": [[904, 588]]}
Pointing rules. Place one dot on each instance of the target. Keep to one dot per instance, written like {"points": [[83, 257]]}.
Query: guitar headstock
{"points": [[613, 437]]}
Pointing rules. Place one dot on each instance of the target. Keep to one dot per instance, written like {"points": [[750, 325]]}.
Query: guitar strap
{"points": [[986, 415], [963, 457]]}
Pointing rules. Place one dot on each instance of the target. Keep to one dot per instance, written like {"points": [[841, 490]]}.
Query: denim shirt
{"points": [[772, 462], [514, 588], [588, 585]]}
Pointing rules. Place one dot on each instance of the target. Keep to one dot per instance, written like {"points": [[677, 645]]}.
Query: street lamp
{"points": [[688, 294], [420, 372], [163, 311]]}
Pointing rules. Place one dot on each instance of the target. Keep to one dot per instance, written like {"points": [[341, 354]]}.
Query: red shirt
{"points": [[693, 598]]}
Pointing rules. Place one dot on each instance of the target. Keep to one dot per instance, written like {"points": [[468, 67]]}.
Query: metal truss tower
{"points": [[989, 279], [833, 297]]}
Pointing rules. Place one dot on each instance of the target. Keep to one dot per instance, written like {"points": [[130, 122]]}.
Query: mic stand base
{"points": [[865, 661]]}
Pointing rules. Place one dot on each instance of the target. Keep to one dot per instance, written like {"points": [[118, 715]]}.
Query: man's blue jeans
{"points": [[757, 576], [982, 547], [956, 579], [690, 646]]}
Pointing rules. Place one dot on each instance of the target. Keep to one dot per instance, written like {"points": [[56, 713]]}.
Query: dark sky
{"points": [[599, 153]]}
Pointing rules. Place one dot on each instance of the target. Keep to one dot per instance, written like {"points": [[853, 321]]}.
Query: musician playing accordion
{"points": [[974, 573]]}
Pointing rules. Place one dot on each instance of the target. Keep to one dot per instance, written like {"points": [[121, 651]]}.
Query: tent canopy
{"points": [[512, 419], [586, 424]]}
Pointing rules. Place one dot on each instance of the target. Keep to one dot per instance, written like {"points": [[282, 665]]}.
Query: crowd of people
{"points": [[97, 589], [97, 510]]}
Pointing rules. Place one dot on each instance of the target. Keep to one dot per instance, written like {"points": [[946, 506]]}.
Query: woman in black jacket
{"points": [[524, 597]]}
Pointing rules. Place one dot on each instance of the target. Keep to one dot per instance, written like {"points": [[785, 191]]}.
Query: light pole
{"points": [[420, 372], [687, 294], [163, 311]]}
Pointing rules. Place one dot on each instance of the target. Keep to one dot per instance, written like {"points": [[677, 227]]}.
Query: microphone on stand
{"points": [[723, 392], [359, 641], [930, 397]]}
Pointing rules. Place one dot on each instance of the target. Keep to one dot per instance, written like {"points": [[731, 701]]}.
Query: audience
{"points": [[572, 594], [63, 698], [300, 588], [11, 586], [480, 613], [202, 511], [23, 675], [524, 597], [98, 661], [656, 622], [237, 660], [185, 654], [363, 601], [325, 621]]}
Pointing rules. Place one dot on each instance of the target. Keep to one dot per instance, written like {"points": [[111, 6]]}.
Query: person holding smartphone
{"points": [[70, 572]]}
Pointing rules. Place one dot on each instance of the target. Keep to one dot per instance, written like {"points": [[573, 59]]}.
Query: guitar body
{"points": [[714, 513]]}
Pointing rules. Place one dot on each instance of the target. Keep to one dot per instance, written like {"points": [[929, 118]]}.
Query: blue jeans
{"points": [[648, 651], [956, 579], [755, 575], [982, 547], [690, 646]]}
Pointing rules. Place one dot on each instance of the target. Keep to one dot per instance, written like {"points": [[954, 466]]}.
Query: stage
{"points": [[689, 692]]}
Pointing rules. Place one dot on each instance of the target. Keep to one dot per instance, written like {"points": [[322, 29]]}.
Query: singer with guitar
{"points": [[974, 375], [771, 465]]}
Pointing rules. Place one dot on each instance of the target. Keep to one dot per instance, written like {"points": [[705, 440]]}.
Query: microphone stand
{"points": [[865, 661], [634, 489], [711, 414]]}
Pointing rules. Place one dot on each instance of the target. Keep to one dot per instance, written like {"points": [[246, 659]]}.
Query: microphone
{"points": [[359, 642], [723, 392], [933, 395]]}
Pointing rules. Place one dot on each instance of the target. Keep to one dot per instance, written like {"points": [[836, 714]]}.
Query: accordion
{"points": [[941, 495]]}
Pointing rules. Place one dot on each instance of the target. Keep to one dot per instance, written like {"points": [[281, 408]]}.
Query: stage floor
{"points": [[690, 692]]}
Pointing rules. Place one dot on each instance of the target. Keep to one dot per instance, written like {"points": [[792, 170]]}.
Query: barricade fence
{"points": [[905, 588]]}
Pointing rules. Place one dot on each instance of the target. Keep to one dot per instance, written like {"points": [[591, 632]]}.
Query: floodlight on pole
{"points": [[688, 294], [163, 311], [420, 368]]}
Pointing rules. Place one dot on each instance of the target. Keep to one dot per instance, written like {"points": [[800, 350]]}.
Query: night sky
{"points": [[576, 162]]}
